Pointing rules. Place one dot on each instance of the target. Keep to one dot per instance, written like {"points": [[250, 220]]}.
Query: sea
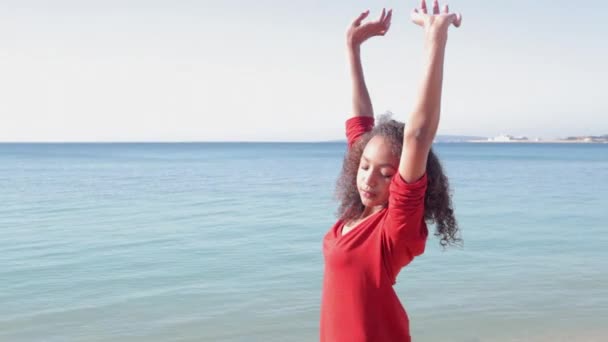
{"points": [[222, 242]]}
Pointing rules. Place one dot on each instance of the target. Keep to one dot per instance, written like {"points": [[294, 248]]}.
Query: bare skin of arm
{"points": [[358, 33], [423, 121]]}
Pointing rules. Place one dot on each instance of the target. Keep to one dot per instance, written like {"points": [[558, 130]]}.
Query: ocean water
{"points": [[222, 242]]}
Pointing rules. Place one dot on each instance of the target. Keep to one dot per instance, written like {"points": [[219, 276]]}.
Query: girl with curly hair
{"points": [[391, 186]]}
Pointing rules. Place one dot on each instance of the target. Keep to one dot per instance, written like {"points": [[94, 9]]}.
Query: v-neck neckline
{"points": [[357, 226]]}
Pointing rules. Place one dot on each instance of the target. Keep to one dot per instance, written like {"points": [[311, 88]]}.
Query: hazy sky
{"points": [[276, 70]]}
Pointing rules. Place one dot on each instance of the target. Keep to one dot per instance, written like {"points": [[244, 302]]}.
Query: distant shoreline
{"points": [[536, 142], [297, 142]]}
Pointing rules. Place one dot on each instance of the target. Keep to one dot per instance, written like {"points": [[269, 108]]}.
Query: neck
{"points": [[370, 211]]}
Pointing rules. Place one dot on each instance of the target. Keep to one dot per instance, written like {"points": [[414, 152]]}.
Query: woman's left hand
{"points": [[437, 22]]}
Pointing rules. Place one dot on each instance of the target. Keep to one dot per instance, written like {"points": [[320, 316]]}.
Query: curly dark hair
{"points": [[437, 202]]}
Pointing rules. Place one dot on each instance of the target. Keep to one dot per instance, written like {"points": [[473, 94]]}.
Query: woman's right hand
{"points": [[358, 33]]}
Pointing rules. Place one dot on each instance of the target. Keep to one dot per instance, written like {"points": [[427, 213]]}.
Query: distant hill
{"points": [[457, 138], [442, 138]]}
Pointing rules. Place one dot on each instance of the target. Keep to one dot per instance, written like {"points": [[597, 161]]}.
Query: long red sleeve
{"points": [[358, 301]]}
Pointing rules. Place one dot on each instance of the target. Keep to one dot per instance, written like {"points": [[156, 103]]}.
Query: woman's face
{"points": [[376, 169]]}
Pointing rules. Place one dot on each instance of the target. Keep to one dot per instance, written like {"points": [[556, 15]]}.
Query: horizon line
{"points": [[441, 138]]}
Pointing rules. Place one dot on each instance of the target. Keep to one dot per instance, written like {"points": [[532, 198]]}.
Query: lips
{"points": [[367, 194]]}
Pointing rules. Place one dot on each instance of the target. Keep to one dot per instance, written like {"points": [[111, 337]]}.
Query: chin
{"points": [[367, 202], [373, 203]]}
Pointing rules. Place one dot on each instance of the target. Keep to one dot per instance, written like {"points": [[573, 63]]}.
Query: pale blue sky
{"points": [[276, 70]]}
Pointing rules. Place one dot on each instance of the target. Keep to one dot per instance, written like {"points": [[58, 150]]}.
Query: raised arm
{"points": [[357, 34], [422, 124]]}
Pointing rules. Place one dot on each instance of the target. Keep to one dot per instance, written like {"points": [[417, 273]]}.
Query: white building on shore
{"points": [[507, 138]]}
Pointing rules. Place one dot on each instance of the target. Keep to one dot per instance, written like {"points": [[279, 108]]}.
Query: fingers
{"points": [[417, 17], [458, 20], [381, 26], [423, 6], [386, 23], [435, 6], [388, 18], [360, 18], [383, 23], [420, 15]]}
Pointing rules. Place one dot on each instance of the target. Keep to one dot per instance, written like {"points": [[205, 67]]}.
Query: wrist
{"points": [[436, 40], [353, 48]]}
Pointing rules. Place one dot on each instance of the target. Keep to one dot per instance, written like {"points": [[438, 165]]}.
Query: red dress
{"points": [[358, 301]]}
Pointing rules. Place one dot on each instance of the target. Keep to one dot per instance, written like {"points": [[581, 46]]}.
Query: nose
{"points": [[369, 181]]}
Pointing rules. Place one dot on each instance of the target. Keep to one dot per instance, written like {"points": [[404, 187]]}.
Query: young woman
{"points": [[391, 185]]}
